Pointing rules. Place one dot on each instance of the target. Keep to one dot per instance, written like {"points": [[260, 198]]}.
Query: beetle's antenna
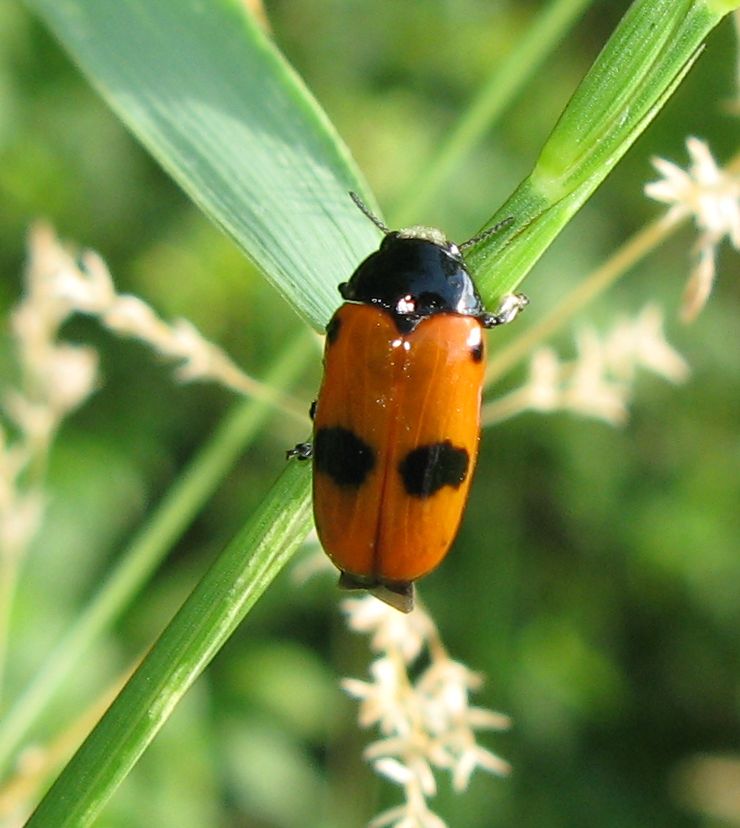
{"points": [[484, 234], [366, 210]]}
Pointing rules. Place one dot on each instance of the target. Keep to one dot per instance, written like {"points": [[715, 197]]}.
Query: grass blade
{"points": [[643, 62], [207, 93], [203, 624]]}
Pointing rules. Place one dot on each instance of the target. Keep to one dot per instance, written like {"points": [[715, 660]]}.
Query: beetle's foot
{"points": [[511, 305], [301, 451]]}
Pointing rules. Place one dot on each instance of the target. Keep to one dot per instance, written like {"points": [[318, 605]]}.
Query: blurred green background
{"points": [[596, 579]]}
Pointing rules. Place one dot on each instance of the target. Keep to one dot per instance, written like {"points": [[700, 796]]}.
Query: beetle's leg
{"points": [[508, 310], [301, 451]]}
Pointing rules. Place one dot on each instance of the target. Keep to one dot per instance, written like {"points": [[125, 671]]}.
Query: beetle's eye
{"points": [[388, 239]]}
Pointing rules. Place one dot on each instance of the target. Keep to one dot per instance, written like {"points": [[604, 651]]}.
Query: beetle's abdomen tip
{"points": [[397, 594]]}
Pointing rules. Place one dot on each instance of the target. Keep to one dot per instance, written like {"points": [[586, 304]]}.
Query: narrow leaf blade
{"points": [[213, 100]]}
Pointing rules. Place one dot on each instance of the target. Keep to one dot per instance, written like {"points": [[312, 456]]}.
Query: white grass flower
{"points": [[426, 721], [712, 196], [53, 379], [589, 388], [71, 375], [89, 290], [382, 700], [414, 813], [599, 381], [20, 517], [640, 342], [389, 630], [70, 285], [56, 377]]}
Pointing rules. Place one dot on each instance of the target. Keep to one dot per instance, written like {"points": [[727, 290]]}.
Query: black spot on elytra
{"points": [[477, 352], [343, 456], [332, 329], [427, 469]]}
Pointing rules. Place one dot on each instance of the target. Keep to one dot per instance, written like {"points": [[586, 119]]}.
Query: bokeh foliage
{"points": [[602, 564]]}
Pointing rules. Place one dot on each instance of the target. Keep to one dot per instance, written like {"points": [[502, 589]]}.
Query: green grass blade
{"points": [[205, 621], [645, 59], [207, 93]]}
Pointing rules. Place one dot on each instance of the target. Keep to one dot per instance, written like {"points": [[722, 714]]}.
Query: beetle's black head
{"points": [[415, 273]]}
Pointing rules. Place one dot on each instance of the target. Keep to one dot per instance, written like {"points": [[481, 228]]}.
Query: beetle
{"points": [[396, 424]]}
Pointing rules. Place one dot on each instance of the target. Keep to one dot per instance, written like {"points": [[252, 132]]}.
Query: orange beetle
{"points": [[397, 419]]}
